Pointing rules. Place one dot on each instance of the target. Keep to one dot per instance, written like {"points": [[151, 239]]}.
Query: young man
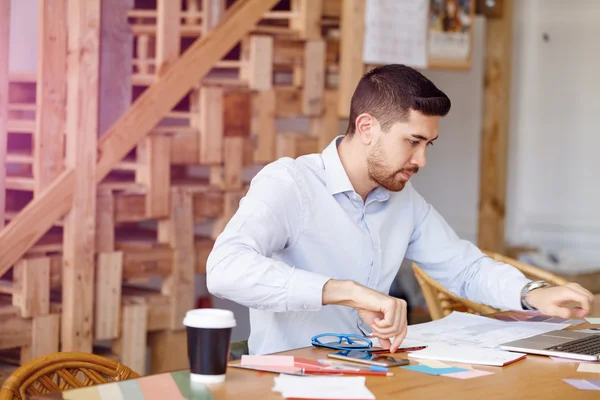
{"points": [[317, 241]]}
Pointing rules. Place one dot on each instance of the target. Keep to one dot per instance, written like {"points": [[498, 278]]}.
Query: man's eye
{"points": [[413, 142], [430, 144]]}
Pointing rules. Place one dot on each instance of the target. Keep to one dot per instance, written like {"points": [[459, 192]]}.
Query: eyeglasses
{"points": [[341, 341]]}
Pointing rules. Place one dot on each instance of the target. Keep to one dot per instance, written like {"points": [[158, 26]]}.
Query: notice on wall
{"points": [[396, 32]]}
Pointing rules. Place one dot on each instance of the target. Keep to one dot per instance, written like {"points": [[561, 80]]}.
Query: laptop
{"points": [[560, 343]]}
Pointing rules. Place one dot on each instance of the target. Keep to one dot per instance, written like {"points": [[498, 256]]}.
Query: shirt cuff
{"points": [[306, 291], [514, 294]]}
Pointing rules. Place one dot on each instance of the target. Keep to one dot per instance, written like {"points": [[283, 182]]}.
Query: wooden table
{"points": [[536, 377]]}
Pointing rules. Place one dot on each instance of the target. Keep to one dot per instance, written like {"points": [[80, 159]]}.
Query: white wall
{"points": [[553, 187], [23, 36], [450, 181]]}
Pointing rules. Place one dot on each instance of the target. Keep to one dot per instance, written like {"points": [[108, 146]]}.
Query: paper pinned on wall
{"points": [[396, 32]]}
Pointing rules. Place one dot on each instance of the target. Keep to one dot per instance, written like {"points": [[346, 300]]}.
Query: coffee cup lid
{"points": [[212, 318]]}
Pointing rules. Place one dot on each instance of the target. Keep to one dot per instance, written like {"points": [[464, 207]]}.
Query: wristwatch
{"points": [[528, 288]]}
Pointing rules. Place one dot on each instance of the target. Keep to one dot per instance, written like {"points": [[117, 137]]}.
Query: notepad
{"points": [[467, 355], [309, 387]]}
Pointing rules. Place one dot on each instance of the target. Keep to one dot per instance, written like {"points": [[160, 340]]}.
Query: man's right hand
{"points": [[385, 315]]}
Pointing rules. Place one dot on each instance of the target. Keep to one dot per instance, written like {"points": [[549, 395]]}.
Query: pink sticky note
{"points": [[271, 361], [468, 374]]}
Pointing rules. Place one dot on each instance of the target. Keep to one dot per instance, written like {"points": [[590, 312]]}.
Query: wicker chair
{"points": [[442, 302], [62, 371]]}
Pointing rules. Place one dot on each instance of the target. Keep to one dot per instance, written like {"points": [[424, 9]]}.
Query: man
{"points": [[317, 241]]}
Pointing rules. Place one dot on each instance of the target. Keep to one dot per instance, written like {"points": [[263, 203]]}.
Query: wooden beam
{"points": [[51, 87], [108, 282], [313, 83], [156, 101], [45, 337], [131, 345], [116, 54], [257, 66], [168, 45], [15, 331], [154, 172], [492, 187], [352, 32], [263, 126], [4, 79], [326, 127], [178, 232], [105, 220], [32, 284], [207, 106], [82, 134], [308, 18]]}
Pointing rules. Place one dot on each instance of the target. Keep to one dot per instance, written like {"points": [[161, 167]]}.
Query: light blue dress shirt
{"points": [[301, 223]]}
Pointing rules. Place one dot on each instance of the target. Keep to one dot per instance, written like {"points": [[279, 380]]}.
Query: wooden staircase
{"points": [[106, 231]]}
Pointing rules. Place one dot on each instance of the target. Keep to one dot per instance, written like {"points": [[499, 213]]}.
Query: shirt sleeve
{"points": [[269, 218], [459, 265]]}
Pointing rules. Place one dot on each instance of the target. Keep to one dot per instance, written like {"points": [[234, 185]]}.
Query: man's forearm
{"points": [[339, 292]]}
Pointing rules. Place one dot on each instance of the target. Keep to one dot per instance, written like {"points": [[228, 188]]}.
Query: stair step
{"points": [[22, 77], [22, 107], [19, 157], [19, 183], [20, 126]]}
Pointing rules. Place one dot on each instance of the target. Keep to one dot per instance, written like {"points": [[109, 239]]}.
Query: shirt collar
{"points": [[337, 180]]}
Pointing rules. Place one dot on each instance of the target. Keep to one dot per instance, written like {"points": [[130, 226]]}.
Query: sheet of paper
{"points": [[396, 32], [595, 321], [584, 384], [589, 367], [330, 387], [467, 355], [435, 371], [469, 374], [462, 329]]}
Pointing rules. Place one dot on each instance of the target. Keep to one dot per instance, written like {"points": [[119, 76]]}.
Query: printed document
{"points": [[462, 329]]}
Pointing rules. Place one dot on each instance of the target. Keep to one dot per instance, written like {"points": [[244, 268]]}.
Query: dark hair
{"points": [[389, 92]]}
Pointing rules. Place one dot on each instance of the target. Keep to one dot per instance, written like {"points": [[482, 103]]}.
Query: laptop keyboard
{"points": [[588, 345]]}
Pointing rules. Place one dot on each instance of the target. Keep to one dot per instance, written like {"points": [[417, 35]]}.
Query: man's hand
{"points": [[562, 301], [385, 315]]}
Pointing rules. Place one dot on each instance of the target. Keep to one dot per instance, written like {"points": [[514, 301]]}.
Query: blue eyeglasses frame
{"points": [[341, 337]]}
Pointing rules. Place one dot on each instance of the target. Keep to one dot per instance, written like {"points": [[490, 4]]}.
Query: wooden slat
{"points": [[82, 134], [352, 27], [14, 330], [213, 13], [178, 232], [19, 183], [105, 221], [32, 286], [4, 80], [19, 157], [108, 282], [133, 334], [154, 172], [295, 144], [45, 337], [231, 201], [20, 126], [167, 34], [208, 106], [166, 352], [237, 113], [492, 192], [313, 84], [332, 8], [156, 261], [287, 102], [51, 94], [258, 58], [307, 20], [263, 126], [144, 114], [130, 208], [326, 127]]}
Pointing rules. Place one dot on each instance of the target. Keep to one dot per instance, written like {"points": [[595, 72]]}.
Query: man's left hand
{"points": [[566, 301]]}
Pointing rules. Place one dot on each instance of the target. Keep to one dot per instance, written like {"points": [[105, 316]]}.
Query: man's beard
{"points": [[379, 173]]}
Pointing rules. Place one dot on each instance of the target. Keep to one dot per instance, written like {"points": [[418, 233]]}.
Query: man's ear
{"points": [[364, 127]]}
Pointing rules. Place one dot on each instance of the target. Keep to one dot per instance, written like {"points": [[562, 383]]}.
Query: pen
{"points": [[344, 372], [375, 368], [400, 349]]}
